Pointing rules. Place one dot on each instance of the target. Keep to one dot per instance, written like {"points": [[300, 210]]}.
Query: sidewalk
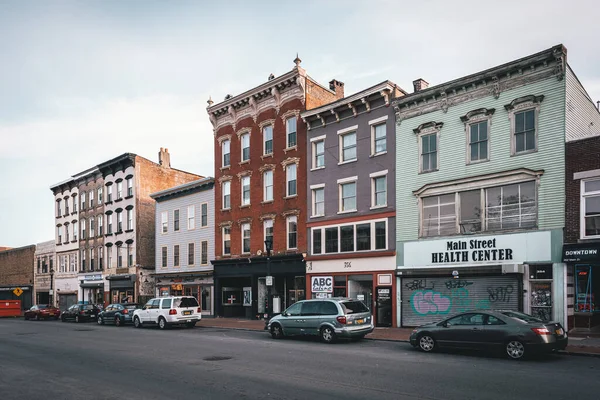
{"points": [[577, 345]]}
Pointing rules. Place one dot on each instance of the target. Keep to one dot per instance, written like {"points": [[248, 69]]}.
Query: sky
{"points": [[82, 82]]}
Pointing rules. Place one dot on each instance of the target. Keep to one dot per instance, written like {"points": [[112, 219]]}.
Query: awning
{"points": [[92, 285]]}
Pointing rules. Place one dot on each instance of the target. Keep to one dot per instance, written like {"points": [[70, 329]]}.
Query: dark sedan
{"points": [[42, 311], [516, 333], [80, 313], [118, 314]]}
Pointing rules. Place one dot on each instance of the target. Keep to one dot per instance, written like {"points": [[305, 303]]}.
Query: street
{"points": [[54, 360]]}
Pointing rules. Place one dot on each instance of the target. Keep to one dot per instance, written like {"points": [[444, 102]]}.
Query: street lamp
{"points": [[51, 292], [269, 247]]}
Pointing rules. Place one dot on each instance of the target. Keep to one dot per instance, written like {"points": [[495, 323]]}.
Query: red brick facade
{"points": [[16, 266]]}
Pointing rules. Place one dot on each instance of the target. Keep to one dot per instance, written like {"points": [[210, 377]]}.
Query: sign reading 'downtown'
{"points": [[323, 284]]}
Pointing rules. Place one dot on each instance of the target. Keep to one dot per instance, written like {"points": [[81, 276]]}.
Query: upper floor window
{"points": [[58, 208], [245, 140], [268, 230], [100, 225], [268, 185], [191, 248], [119, 189], [82, 196], [318, 157], [92, 226], [590, 208], [66, 206], [226, 188], [292, 189], [429, 152], [353, 237], [129, 219], [164, 219], [379, 139], [379, 190], [191, 214], [245, 190], [119, 221], [478, 141], [91, 198], [347, 194], [176, 255], [75, 203], [439, 215], [175, 220], [100, 198], [83, 225], [226, 240], [348, 147], [109, 229], [164, 256], [204, 216], [129, 186], [75, 230], [245, 238], [290, 125], [523, 113], [109, 192], [318, 201], [268, 139], [204, 252], [292, 232], [225, 149]]}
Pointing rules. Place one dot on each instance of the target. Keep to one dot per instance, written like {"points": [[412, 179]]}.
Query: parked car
{"points": [[168, 311], [515, 332], [80, 313], [42, 311], [330, 319], [118, 314]]}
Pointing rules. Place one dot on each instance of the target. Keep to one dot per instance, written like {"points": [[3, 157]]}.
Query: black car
{"points": [[118, 314], [516, 333], [80, 313]]}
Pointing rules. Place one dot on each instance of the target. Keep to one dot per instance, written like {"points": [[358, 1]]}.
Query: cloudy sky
{"points": [[84, 81]]}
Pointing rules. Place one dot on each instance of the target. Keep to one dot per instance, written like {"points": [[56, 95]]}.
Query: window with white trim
{"points": [[164, 258], [268, 230], [379, 191], [119, 221], [129, 220], [74, 203], [318, 200], [245, 238], [511, 206], [245, 190], [268, 185], [290, 173], [109, 193], [226, 240], [226, 189], [429, 153], [129, 255], [129, 187], [204, 214], [439, 215], [75, 230], [119, 256], [318, 148], [119, 190], [82, 197], [191, 250], [290, 128], [92, 259], [245, 140], [176, 255], [100, 258], [58, 208], [347, 196], [268, 139], [225, 149], [379, 140], [348, 147], [92, 226], [354, 237], [91, 197], [590, 208], [164, 219], [175, 220], [191, 217], [83, 226], [110, 224], [204, 252], [292, 232], [100, 197], [478, 141]]}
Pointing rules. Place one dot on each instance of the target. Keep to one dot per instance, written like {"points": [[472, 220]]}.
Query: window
{"points": [[129, 186], [83, 224], [110, 225], [164, 256], [245, 238], [58, 209], [470, 211], [379, 190], [91, 198], [175, 220], [348, 197], [91, 259], [245, 139], [478, 141], [66, 207], [318, 147], [191, 249], [290, 125], [292, 232], [119, 221], [226, 195], [82, 260], [268, 139], [109, 193], [348, 147], [226, 240], [268, 186], [204, 252], [245, 190], [109, 257], [92, 226], [82, 200], [129, 219], [361, 236], [66, 233], [74, 203], [439, 215], [176, 255], [100, 198], [166, 304], [316, 246], [119, 256], [379, 139], [318, 197], [204, 214], [191, 217], [429, 152], [100, 258], [75, 230], [380, 236], [225, 149], [292, 190], [129, 255], [331, 240], [524, 131], [347, 238], [590, 208], [268, 226], [164, 218], [119, 189], [511, 206]]}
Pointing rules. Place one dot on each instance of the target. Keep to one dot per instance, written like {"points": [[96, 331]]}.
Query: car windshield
{"points": [[520, 316], [185, 302], [353, 307]]}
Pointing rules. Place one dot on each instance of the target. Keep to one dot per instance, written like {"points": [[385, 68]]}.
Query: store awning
{"points": [[92, 285]]}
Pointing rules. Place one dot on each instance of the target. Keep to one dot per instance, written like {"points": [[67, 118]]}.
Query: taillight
{"points": [[82, 312], [199, 310], [341, 320], [541, 331], [125, 311], [172, 312]]}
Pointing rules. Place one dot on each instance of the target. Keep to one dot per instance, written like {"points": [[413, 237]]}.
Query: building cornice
{"points": [[185, 189]]}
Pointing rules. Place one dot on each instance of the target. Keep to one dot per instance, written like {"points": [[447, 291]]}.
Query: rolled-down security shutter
{"points": [[426, 300]]}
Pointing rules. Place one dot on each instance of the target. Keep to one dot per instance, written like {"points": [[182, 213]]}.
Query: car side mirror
{"points": [[285, 314], [445, 324]]}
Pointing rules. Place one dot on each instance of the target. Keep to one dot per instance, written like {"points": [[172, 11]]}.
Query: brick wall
{"points": [[582, 155], [317, 96], [16, 266]]}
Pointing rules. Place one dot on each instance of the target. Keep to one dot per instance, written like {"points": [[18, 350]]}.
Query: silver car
{"points": [[330, 319]]}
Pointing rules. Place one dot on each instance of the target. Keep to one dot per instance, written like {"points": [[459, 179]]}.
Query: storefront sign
{"points": [[582, 252], [95, 277], [480, 250], [322, 284]]}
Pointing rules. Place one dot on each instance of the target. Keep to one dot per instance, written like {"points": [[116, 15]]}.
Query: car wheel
{"points": [[327, 334], [276, 331], [515, 349], [100, 321], [137, 323], [77, 319], [162, 323], [117, 321], [426, 343]]}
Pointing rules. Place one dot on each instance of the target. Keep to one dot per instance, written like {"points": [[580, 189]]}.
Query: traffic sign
{"points": [[269, 281], [18, 291]]}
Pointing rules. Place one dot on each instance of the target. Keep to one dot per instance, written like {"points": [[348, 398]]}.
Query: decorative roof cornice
{"points": [[185, 189]]}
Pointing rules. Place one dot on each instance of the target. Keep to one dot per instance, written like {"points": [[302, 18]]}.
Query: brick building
{"points": [[16, 272], [260, 190], [44, 269]]}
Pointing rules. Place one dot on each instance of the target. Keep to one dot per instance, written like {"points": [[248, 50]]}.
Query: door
{"points": [[291, 318], [384, 306], [495, 331], [109, 313], [311, 317], [144, 314], [465, 330]]}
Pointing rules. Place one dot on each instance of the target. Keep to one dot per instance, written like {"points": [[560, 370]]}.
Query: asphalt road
{"points": [[54, 360]]}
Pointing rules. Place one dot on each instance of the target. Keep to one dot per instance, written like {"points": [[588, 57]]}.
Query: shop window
{"points": [[363, 237], [331, 240], [339, 286], [316, 247], [347, 238], [231, 296], [586, 282]]}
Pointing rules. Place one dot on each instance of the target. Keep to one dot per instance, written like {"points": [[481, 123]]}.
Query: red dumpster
{"points": [[10, 308]]}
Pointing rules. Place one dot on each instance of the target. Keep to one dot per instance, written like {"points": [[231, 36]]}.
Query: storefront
{"points": [[370, 280], [24, 293], [92, 289], [583, 263], [67, 290], [442, 277], [122, 288], [42, 289], [196, 284]]}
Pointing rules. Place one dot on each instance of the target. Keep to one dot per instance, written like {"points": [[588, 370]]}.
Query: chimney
{"points": [[337, 87], [164, 158], [420, 84]]}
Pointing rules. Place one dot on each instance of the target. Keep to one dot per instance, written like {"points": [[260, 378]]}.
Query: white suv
{"points": [[167, 311]]}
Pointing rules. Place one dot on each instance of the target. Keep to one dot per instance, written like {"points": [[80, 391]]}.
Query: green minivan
{"points": [[331, 318]]}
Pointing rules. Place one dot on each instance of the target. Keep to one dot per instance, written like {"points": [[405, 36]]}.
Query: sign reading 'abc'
{"points": [[323, 284]]}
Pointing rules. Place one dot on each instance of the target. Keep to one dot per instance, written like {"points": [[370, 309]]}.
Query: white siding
{"points": [[582, 116]]}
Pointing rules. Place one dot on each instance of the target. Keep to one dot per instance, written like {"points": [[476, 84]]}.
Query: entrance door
{"points": [[384, 306]]}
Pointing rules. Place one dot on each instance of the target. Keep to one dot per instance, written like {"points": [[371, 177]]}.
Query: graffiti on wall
{"points": [[500, 294], [426, 302], [420, 284]]}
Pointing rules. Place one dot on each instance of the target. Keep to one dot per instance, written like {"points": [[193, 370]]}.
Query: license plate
{"points": [[360, 321], [51, 314], [187, 313], [560, 332]]}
